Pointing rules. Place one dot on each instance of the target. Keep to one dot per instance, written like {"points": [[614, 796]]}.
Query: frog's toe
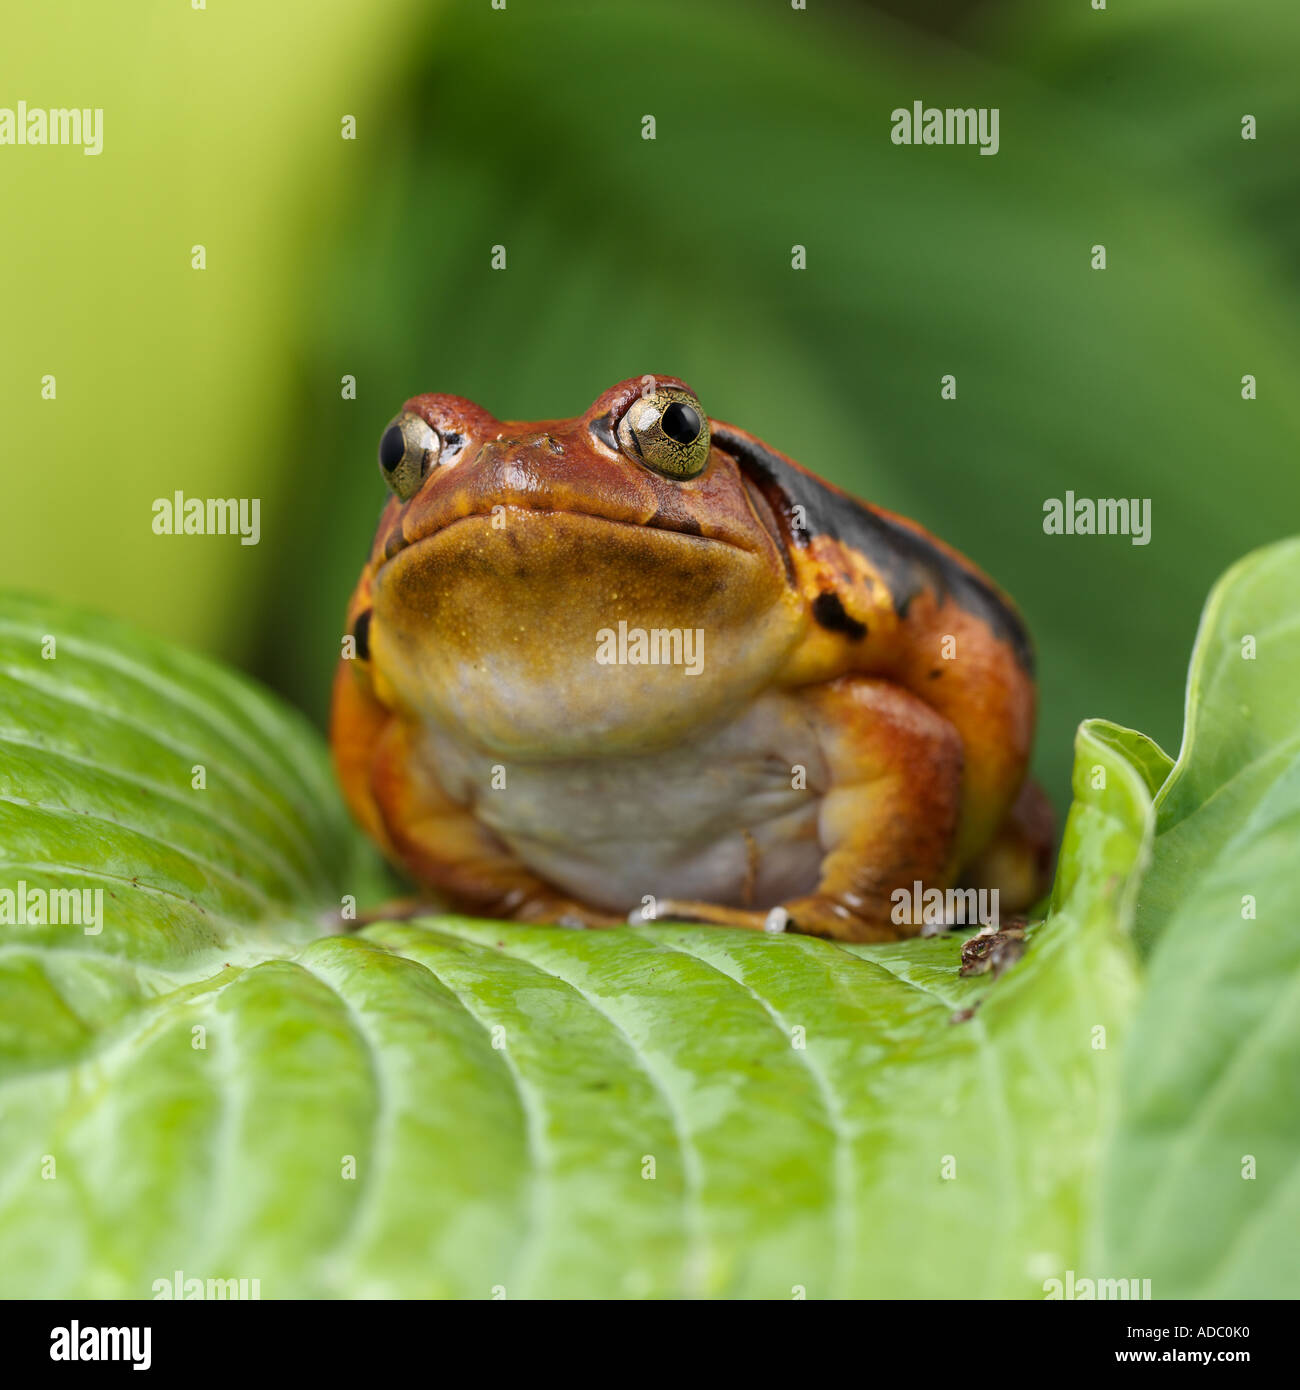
{"points": [[824, 915], [570, 921], [775, 920]]}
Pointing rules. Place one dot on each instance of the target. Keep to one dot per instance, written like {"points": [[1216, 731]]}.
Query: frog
{"points": [[638, 666]]}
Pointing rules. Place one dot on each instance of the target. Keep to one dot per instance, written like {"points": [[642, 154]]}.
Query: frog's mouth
{"points": [[504, 514]]}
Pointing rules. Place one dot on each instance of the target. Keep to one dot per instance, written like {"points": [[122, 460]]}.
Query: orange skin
{"points": [[861, 720]]}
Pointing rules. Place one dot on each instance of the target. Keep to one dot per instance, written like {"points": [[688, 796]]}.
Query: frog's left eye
{"points": [[408, 450], [668, 431]]}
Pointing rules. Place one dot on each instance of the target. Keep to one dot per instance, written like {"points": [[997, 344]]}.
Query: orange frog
{"points": [[638, 662]]}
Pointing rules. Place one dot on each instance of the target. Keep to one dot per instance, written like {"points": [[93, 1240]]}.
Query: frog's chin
{"points": [[559, 633]]}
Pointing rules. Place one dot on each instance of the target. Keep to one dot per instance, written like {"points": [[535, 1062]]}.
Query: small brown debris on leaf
{"points": [[995, 951]]}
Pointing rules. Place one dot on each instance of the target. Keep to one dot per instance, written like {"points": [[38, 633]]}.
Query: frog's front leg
{"points": [[393, 791], [450, 850], [888, 818]]}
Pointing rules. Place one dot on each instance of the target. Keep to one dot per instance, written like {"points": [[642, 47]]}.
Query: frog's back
{"points": [[905, 559], [887, 598]]}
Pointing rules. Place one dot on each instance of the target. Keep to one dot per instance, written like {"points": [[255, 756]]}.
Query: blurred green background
{"points": [[523, 127]]}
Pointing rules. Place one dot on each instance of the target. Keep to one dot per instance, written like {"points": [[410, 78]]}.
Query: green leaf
{"points": [[1146, 757], [1242, 729], [104, 738], [448, 1107], [1202, 1195]]}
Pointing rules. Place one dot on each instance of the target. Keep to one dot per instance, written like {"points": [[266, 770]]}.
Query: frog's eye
{"points": [[668, 432], [408, 450]]}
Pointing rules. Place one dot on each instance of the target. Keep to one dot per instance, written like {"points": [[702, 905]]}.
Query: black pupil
{"points": [[391, 448], [681, 423]]}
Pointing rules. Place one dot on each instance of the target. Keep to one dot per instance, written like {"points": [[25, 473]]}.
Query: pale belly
{"points": [[730, 818]]}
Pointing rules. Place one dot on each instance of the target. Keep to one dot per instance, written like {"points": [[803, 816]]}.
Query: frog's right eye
{"points": [[408, 452]]}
